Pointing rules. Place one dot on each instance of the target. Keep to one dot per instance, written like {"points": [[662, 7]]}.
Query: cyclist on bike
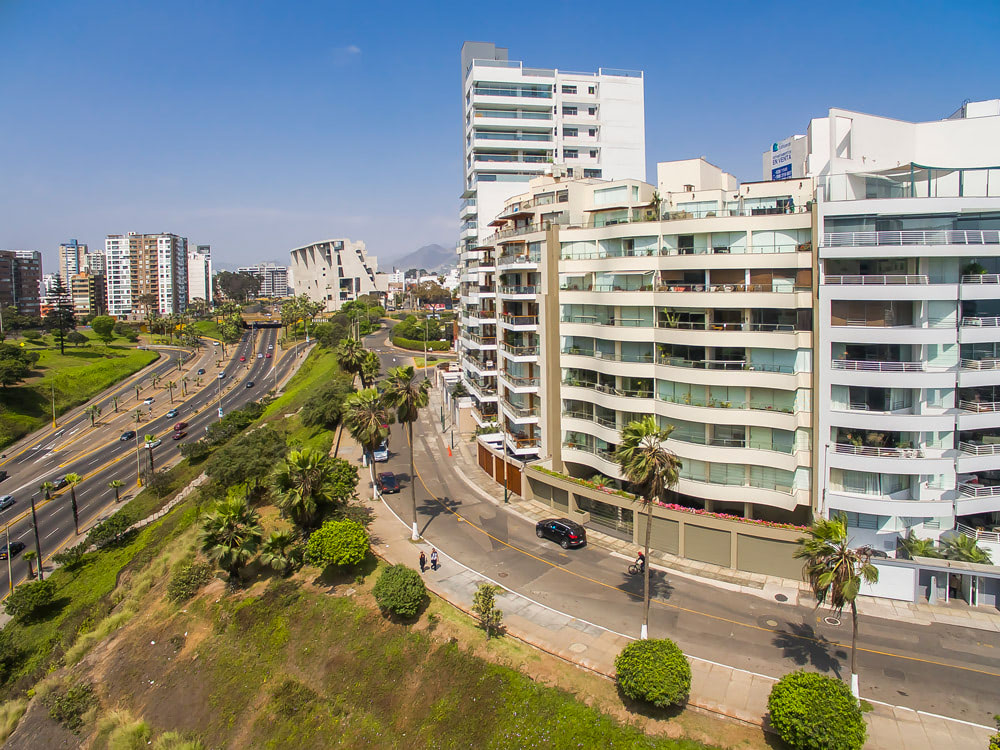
{"points": [[640, 562]]}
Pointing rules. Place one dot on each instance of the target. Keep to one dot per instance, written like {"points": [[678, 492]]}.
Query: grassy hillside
{"points": [[76, 377]]}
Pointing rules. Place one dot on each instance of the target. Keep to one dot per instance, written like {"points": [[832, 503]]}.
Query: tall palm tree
{"points": [[116, 485], [370, 369], [94, 412], [367, 419], [652, 470], [303, 486], [184, 383], [149, 439], [155, 378], [231, 535], [351, 355], [170, 387], [74, 480], [836, 572], [407, 395], [114, 399], [962, 548]]}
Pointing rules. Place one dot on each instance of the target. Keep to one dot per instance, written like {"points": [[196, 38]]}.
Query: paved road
{"points": [[99, 456], [947, 670]]}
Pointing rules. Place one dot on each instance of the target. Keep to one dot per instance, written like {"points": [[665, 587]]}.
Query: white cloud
{"points": [[344, 55]]}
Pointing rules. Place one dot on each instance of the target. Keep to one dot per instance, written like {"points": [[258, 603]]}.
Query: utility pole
{"points": [[219, 402], [10, 572], [53, 404], [38, 544], [426, 321], [506, 467]]}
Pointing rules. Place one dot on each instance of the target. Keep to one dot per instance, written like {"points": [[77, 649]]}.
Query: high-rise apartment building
{"points": [[200, 274], [71, 260], [520, 121], [93, 263], [89, 294], [21, 280], [146, 272], [336, 271], [273, 278]]}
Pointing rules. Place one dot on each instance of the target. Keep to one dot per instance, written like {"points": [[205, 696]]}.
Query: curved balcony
{"points": [[979, 329], [885, 506], [888, 460], [519, 261], [912, 237], [980, 415], [973, 457], [880, 374]]}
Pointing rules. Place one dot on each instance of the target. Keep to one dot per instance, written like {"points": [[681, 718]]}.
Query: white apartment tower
{"points": [[273, 278], [200, 274], [72, 255], [336, 271], [908, 347], [146, 273], [520, 122]]}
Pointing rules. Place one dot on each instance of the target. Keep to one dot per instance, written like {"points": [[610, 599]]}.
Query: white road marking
{"points": [[54, 531]]}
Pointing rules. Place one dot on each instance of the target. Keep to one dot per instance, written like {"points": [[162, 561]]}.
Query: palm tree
{"points": [[116, 485], [962, 548], [149, 439], [170, 387], [835, 572], [370, 369], [94, 412], [652, 470], [73, 480], [184, 382], [47, 488], [137, 415], [407, 395], [367, 419], [914, 546], [351, 355], [303, 484], [155, 378], [231, 535], [29, 557], [115, 400], [279, 552]]}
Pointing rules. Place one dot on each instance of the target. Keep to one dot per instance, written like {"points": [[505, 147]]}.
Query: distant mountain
{"points": [[431, 257]]}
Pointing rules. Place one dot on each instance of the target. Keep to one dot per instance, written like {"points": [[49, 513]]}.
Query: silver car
{"points": [[6, 501]]}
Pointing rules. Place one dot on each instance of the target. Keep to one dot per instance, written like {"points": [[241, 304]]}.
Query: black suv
{"points": [[387, 483], [15, 547], [567, 533]]}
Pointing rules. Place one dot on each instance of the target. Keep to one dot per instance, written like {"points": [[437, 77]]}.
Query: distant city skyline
{"points": [[268, 127]]}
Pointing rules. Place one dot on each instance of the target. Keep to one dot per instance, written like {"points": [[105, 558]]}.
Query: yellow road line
{"points": [[688, 610]]}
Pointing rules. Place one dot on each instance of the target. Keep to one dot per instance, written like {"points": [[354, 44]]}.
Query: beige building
{"points": [[336, 271], [88, 293]]}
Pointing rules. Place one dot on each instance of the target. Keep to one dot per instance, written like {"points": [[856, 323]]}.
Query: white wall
{"points": [[894, 582]]}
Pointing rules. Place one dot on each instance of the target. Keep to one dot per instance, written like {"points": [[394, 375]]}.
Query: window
{"points": [[568, 89], [570, 132], [591, 89], [592, 111], [593, 153], [592, 132], [570, 153], [569, 110], [592, 173]]}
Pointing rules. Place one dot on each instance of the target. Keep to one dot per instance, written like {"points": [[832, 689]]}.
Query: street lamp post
{"points": [[10, 572], [38, 544], [219, 401]]}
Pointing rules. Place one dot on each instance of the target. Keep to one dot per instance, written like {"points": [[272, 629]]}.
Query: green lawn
{"points": [[74, 378], [208, 328]]}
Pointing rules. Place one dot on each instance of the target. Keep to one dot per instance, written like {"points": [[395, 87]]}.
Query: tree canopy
{"points": [[241, 287]]}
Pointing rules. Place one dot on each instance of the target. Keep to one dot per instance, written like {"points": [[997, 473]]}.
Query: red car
{"points": [[243, 359], [267, 356], [180, 426], [179, 434]]}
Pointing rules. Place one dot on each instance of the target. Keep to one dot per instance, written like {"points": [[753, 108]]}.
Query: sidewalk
{"points": [[763, 586]]}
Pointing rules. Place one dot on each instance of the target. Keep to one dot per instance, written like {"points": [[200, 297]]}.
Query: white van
{"points": [[382, 452]]}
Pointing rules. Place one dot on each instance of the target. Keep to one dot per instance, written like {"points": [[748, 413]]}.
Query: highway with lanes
{"points": [[99, 456]]}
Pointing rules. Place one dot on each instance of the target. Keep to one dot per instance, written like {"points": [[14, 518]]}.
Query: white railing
{"points": [[854, 364], [992, 322], [891, 279], [974, 449], [978, 490], [979, 407], [981, 278], [981, 364], [978, 534], [913, 237], [876, 452]]}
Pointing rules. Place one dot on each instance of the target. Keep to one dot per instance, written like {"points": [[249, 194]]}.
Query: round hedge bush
{"points": [[654, 671], [810, 711], [400, 590], [342, 542]]}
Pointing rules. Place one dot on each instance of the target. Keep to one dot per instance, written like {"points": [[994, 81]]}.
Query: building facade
{"points": [[200, 274], [21, 281], [520, 122], [273, 278], [71, 260], [333, 272], [146, 273], [89, 294]]}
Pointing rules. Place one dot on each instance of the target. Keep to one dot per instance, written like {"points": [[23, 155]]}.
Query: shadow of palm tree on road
{"points": [[659, 586], [430, 509], [803, 645]]}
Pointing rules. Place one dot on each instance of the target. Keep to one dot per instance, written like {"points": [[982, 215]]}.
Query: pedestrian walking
{"points": [[434, 559], [423, 561]]}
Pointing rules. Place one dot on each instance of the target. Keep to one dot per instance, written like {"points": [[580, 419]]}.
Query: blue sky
{"points": [[260, 126]]}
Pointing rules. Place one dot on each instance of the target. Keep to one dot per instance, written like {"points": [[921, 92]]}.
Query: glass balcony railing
{"points": [[513, 91], [912, 237]]}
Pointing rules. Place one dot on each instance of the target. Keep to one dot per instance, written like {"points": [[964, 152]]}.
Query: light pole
{"points": [[10, 572], [38, 544], [219, 401], [426, 321], [53, 404]]}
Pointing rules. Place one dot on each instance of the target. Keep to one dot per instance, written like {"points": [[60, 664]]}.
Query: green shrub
{"points": [[71, 556], [810, 711], [400, 590], [654, 671], [341, 542], [187, 579], [432, 346], [68, 706], [484, 607], [30, 599]]}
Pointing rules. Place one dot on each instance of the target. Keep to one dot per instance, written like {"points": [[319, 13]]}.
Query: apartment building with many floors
{"points": [[199, 284], [146, 273], [273, 278], [820, 344], [21, 281]]}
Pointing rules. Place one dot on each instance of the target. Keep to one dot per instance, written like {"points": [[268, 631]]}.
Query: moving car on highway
{"points": [[15, 547], [387, 483], [6, 501], [127, 435]]}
